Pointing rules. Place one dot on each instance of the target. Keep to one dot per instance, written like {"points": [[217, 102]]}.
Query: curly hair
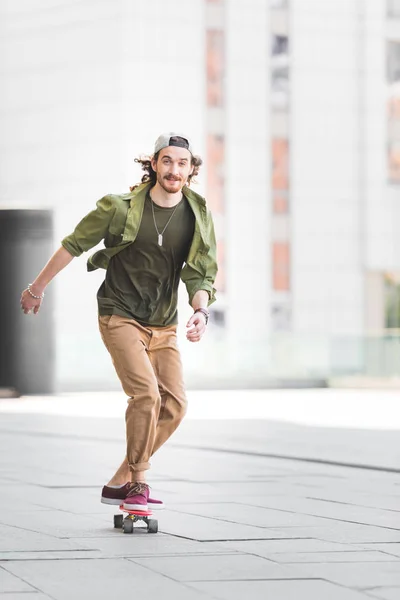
{"points": [[151, 176]]}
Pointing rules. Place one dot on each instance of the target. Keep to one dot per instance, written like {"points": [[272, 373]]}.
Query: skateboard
{"points": [[133, 516]]}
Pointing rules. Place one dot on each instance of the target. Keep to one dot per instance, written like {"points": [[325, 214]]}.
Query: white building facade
{"points": [[293, 107]]}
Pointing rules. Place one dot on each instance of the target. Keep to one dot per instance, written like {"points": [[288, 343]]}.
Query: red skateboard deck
{"points": [[140, 513]]}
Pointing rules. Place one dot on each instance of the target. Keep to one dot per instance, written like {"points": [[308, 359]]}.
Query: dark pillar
{"points": [[27, 358]]}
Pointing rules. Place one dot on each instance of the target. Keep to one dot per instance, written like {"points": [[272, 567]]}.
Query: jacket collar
{"points": [[197, 203]]}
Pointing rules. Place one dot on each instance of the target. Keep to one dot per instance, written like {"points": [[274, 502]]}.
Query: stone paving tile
{"points": [[345, 533], [392, 549], [252, 515], [371, 447], [80, 501], [385, 593], [278, 590], [10, 583], [236, 489], [268, 548], [223, 469], [26, 596], [100, 580], [61, 524], [205, 529], [205, 568], [216, 466], [49, 555], [74, 500], [179, 487], [14, 539], [365, 499], [11, 501], [332, 557], [353, 575], [205, 492], [335, 510], [151, 545]]}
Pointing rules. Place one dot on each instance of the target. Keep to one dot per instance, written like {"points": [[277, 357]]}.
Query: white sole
{"points": [[143, 507], [112, 501], [156, 506]]}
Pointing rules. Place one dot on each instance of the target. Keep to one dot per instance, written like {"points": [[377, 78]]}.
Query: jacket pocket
{"points": [[117, 223]]}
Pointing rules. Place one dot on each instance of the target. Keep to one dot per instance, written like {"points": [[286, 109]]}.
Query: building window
{"points": [[281, 266], [280, 164], [280, 203], [280, 45], [215, 171], [393, 62], [393, 111], [215, 68], [394, 162]]}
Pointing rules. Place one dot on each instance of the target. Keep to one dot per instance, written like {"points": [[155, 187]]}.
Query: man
{"points": [[157, 234]]}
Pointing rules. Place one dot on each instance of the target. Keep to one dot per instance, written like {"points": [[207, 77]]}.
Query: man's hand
{"points": [[196, 327], [29, 304]]}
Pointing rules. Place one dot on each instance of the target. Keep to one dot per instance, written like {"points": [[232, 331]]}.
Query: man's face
{"points": [[173, 168]]}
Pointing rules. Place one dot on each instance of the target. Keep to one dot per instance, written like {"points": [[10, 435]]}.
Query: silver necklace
{"points": [[160, 235]]}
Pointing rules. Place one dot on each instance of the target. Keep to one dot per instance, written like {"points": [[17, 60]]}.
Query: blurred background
{"points": [[294, 107]]}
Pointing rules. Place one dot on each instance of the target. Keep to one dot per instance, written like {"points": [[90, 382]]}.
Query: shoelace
{"points": [[138, 488]]}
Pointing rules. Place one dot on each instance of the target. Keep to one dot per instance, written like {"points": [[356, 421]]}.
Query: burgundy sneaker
{"points": [[111, 495], [137, 497], [116, 497]]}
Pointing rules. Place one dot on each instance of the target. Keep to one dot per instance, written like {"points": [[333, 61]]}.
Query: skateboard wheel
{"points": [[118, 520], [127, 526], [152, 526]]}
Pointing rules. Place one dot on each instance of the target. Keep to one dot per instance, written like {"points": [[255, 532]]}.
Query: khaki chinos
{"points": [[148, 364]]}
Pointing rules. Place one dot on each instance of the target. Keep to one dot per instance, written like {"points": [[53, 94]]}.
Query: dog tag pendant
{"points": [[160, 239]]}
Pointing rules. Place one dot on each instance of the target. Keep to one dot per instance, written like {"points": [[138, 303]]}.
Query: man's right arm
{"points": [[60, 259], [87, 234]]}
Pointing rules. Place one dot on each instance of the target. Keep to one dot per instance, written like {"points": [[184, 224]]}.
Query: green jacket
{"points": [[116, 220]]}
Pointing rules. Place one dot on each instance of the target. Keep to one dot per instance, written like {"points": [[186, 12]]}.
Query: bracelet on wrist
{"points": [[205, 312], [33, 295]]}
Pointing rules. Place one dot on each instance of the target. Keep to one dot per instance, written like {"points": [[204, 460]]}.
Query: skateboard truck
{"points": [[133, 516]]}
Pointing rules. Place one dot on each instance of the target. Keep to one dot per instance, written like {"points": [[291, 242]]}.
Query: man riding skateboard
{"points": [[154, 236]]}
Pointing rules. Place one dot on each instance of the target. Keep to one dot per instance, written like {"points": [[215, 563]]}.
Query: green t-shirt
{"points": [[142, 280]]}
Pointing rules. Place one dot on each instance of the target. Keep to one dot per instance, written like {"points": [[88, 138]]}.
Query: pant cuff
{"points": [[143, 466]]}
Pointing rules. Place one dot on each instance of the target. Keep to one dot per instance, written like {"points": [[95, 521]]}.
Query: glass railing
{"points": [[292, 358]]}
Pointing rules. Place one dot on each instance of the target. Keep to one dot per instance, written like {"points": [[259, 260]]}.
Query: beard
{"points": [[171, 186]]}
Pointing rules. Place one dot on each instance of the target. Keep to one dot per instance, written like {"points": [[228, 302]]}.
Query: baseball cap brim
{"points": [[172, 139]]}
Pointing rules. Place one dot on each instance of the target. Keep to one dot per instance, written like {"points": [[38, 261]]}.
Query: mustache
{"points": [[172, 178]]}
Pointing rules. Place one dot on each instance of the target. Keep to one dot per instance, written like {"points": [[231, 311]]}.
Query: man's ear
{"points": [[153, 164]]}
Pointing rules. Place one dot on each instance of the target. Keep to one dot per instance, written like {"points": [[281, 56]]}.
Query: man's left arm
{"points": [[197, 323], [205, 295]]}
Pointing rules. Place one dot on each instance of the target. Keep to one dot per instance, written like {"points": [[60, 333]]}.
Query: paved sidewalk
{"points": [[256, 506]]}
